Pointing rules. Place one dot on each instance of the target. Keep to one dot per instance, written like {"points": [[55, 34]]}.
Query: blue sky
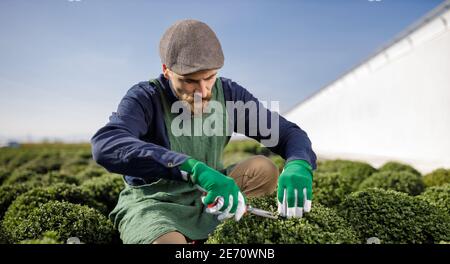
{"points": [[65, 65]]}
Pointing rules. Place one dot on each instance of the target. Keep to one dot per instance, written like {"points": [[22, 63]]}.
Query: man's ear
{"points": [[165, 71]]}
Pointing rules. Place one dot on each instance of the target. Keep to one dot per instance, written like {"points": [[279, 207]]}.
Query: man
{"points": [[177, 189]]}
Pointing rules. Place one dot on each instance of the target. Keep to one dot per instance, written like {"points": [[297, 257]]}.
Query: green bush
{"points": [[321, 226], [8, 193], [354, 171], [49, 237], [20, 158], [105, 189], [397, 166], [21, 176], [395, 217], [44, 162], [85, 154], [67, 220], [4, 173], [74, 165], [437, 177], [91, 172], [402, 181], [3, 237], [33, 178], [55, 177], [23, 205], [6, 155], [330, 188], [439, 196]]}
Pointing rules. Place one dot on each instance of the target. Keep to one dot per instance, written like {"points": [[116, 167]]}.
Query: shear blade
{"points": [[260, 212]]}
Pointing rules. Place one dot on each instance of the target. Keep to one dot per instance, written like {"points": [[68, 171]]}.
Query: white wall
{"points": [[396, 106]]}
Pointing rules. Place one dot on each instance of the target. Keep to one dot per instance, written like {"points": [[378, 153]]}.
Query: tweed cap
{"points": [[190, 46]]}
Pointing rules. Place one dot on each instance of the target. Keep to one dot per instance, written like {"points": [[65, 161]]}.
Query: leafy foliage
{"points": [[4, 173], [49, 237], [330, 188], [395, 217], [402, 181], [398, 166], [437, 177], [49, 192], [354, 171], [21, 208], [439, 196], [36, 179], [8, 193], [321, 226], [105, 189], [67, 220]]}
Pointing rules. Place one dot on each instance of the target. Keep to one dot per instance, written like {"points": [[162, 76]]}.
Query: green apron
{"points": [[143, 213]]}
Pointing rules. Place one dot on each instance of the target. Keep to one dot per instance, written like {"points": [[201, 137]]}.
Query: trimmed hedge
{"points": [[395, 217], [21, 176], [4, 173], [91, 172], [354, 171], [402, 181], [439, 196], [74, 165], [105, 189], [321, 226], [3, 237], [437, 177], [397, 166], [36, 179], [67, 220], [20, 158], [49, 237], [44, 163], [8, 193], [331, 188], [21, 208]]}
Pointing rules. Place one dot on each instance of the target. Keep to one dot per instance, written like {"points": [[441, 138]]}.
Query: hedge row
{"points": [[395, 217], [439, 196], [321, 226], [42, 193], [67, 220]]}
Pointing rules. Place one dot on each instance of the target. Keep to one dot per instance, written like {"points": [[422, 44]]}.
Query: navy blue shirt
{"points": [[135, 142]]}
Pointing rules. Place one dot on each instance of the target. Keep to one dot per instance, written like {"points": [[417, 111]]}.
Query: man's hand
{"points": [[295, 189], [223, 195]]}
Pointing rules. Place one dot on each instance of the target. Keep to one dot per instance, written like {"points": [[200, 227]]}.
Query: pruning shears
{"points": [[249, 208], [260, 212]]}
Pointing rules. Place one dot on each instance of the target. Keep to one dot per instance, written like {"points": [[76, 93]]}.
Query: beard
{"points": [[195, 103]]}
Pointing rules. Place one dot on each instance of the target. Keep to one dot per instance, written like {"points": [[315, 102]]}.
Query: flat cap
{"points": [[190, 46]]}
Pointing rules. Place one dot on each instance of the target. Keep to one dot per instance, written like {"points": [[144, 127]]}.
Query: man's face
{"points": [[194, 87]]}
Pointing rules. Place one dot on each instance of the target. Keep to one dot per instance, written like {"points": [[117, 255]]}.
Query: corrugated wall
{"points": [[396, 106]]}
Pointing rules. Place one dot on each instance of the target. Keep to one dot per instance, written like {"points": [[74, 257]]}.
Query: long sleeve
{"points": [[119, 146], [293, 142]]}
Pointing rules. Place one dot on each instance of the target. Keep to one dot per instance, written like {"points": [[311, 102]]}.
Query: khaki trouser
{"points": [[255, 176]]}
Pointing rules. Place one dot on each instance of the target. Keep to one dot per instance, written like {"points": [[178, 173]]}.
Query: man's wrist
{"points": [[188, 165], [300, 162]]}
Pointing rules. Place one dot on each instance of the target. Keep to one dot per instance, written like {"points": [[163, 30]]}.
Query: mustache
{"points": [[191, 99]]}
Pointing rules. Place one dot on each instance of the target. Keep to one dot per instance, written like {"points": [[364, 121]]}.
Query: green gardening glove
{"points": [[295, 189], [223, 196]]}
